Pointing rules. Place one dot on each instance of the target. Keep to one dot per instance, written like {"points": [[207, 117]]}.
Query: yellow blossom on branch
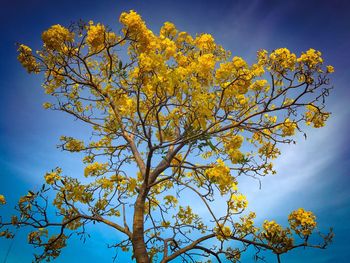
{"points": [[96, 36], [27, 59], [56, 37], [2, 200], [302, 222]]}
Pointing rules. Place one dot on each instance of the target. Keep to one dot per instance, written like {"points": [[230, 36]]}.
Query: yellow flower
{"points": [[170, 200], [47, 105], [74, 145], [185, 215], [131, 19], [239, 62], [315, 116], [232, 143], [206, 64], [220, 175], [302, 222], [56, 37], [168, 30], [282, 59], [259, 85], [312, 58], [205, 42], [184, 37], [137, 30], [238, 202], [96, 36], [27, 59], [246, 225], [106, 183], [53, 176], [169, 47], [276, 235], [222, 232], [330, 69], [224, 72], [288, 127], [95, 169], [2, 200], [269, 150]]}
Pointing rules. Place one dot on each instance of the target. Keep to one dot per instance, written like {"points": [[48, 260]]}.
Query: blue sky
{"points": [[313, 174]]}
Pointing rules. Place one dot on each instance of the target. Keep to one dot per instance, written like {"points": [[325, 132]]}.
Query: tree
{"points": [[177, 116]]}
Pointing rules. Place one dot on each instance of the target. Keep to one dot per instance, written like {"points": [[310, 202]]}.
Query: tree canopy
{"points": [[171, 115]]}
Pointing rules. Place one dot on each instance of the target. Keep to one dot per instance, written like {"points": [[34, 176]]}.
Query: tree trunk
{"points": [[138, 242]]}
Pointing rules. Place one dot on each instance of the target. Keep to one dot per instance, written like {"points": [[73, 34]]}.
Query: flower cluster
{"points": [[170, 200], [311, 58], [220, 175], [27, 59], [282, 59], [269, 150], [56, 37], [234, 75], [246, 226], [105, 183], [186, 216], [222, 232], [330, 69], [302, 222], [72, 145], [276, 235], [96, 35], [260, 85], [2, 200], [53, 176], [232, 143], [206, 64], [95, 169], [237, 202], [288, 127], [168, 30], [168, 47], [315, 116], [137, 30], [205, 42]]}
